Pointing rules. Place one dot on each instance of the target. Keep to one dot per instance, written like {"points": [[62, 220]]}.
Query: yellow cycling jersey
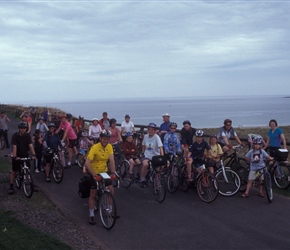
{"points": [[99, 157]]}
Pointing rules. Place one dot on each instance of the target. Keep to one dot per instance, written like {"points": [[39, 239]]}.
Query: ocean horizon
{"points": [[203, 112]]}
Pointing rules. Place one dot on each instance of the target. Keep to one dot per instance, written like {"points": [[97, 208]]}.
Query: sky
{"points": [[88, 50]]}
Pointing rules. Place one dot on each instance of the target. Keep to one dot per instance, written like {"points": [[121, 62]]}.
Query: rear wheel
{"points": [[27, 184], [159, 187], [207, 187], [281, 175], [183, 184], [243, 173], [80, 160], [123, 172], [57, 171], [228, 184], [173, 179], [107, 210], [268, 186]]}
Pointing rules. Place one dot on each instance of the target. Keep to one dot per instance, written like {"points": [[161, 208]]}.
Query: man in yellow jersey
{"points": [[96, 163]]}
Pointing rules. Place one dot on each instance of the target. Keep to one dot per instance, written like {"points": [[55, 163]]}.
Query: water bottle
{"points": [[258, 173]]}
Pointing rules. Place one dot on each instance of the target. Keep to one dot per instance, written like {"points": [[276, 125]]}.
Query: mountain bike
{"points": [[56, 167], [173, 175], [123, 172], [24, 177], [206, 183], [105, 202]]}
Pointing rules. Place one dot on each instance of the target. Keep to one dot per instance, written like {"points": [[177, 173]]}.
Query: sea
{"points": [[203, 112]]}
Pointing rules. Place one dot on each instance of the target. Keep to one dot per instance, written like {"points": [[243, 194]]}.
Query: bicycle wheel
{"points": [[18, 179], [123, 172], [107, 210], [27, 184], [228, 184], [80, 160], [268, 186], [207, 187], [173, 179], [2, 142], [183, 184], [281, 175], [243, 173], [57, 171], [159, 187]]}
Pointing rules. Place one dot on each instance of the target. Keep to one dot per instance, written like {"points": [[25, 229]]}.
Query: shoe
{"points": [[143, 184], [36, 171], [92, 220], [131, 176], [261, 195], [47, 179], [244, 195], [11, 190]]}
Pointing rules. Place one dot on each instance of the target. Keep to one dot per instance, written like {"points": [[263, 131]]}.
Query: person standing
{"points": [[4, 120], [21, 145], [105, 121], [41, 126], [275, 138], [94, 131], [187, 135], [164, 127], [126, 127]]}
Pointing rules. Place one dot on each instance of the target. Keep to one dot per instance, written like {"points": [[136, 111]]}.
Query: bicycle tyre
{"points": [[159, 187], [183, 184], [27, 184], [207, 187], [281, 175], [2, 142], [243, 173], [80, 160], [18, 180], [123, 172], [230, 186], [57, 171], [173, 180], [107, 214], [268, 186]]}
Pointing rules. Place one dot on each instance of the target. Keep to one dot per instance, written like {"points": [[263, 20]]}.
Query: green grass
{"points": [[16, 235]]}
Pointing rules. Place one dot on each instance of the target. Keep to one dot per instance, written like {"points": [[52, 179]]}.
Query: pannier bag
{"points": [[282, 154], [84, 187], [158, 161]]}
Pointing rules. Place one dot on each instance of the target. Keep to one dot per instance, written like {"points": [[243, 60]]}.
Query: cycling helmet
{"points": [[187, 122], [51, 124], [227, 120], [95, 119], [199, 133], [22, 125], [84, 134], [129, 134], [40, 118], [172, 124], [257, 140], [68, 116], [105, 133], [152, 125], [113, 120]]}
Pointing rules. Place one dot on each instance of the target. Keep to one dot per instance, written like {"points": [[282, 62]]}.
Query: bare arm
{"points": [[283, 141], [112, 163]]}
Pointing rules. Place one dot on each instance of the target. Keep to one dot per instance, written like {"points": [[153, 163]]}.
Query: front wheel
{"points": [[173, 179], [57, 171], [268, 186], [123, 172], [159, 187], [243, 173], [107, 210], [27, 184], [207, 187], [18, 180], [281, 175], [229, 183]]}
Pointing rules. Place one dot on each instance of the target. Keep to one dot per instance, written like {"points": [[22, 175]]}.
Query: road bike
{"points": [[56, 167], [105, 202], [206, 183], [23, 177]]}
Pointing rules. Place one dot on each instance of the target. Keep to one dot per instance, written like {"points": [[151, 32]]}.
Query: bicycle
{"points": [[173, 175], [279, 170], [82, 157], [56, 167], [2, 139], [24, 177], [105, 202], [205, 182]]}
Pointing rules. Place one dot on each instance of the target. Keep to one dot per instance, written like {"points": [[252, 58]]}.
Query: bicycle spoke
{"points": [[268, 186], [228, 184], [27, 184], [107, 210]]}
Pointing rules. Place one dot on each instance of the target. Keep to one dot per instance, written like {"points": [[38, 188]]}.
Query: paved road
{"points": [[183, 221]]}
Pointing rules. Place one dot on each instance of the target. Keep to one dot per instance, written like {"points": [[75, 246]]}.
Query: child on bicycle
{"points": [[85, 143], [216, 151], [171, 140], [256, 156]]}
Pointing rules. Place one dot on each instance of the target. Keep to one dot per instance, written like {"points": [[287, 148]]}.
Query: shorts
{"points": [[222, 144], [93, 183], [48, 158], [72, 143], [252, 175], [16, 165]]}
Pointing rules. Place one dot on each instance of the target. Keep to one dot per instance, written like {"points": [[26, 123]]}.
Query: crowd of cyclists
{"points": [[103, 136]]}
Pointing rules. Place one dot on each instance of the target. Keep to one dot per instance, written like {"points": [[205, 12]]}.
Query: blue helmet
{"points": [[152, 125]]}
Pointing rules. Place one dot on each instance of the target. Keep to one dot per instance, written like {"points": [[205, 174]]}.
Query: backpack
{"points": [[84, 187]]}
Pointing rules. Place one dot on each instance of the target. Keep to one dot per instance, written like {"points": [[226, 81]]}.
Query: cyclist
{"points": [[252, 136], [225, 133], [171, 140], [187, 134], [127, 126], [69, 134], [130, 152], [21, 145], [164, 127], [196, 153], [4, 120], [151, 146], [116, 133], [96, 163], [216, 151], [51, 140], [275, 137], [256, 156], [105, 121], [41, 126], [38, 148], [95, 130], [85, 143]]}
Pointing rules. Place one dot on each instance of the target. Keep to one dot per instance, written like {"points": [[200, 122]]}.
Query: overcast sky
{"points": [[78, 50]]}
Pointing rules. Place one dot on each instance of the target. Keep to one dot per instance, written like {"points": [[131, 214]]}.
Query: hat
{"points": [[127, 116], [95, 119], [166, 114]]}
